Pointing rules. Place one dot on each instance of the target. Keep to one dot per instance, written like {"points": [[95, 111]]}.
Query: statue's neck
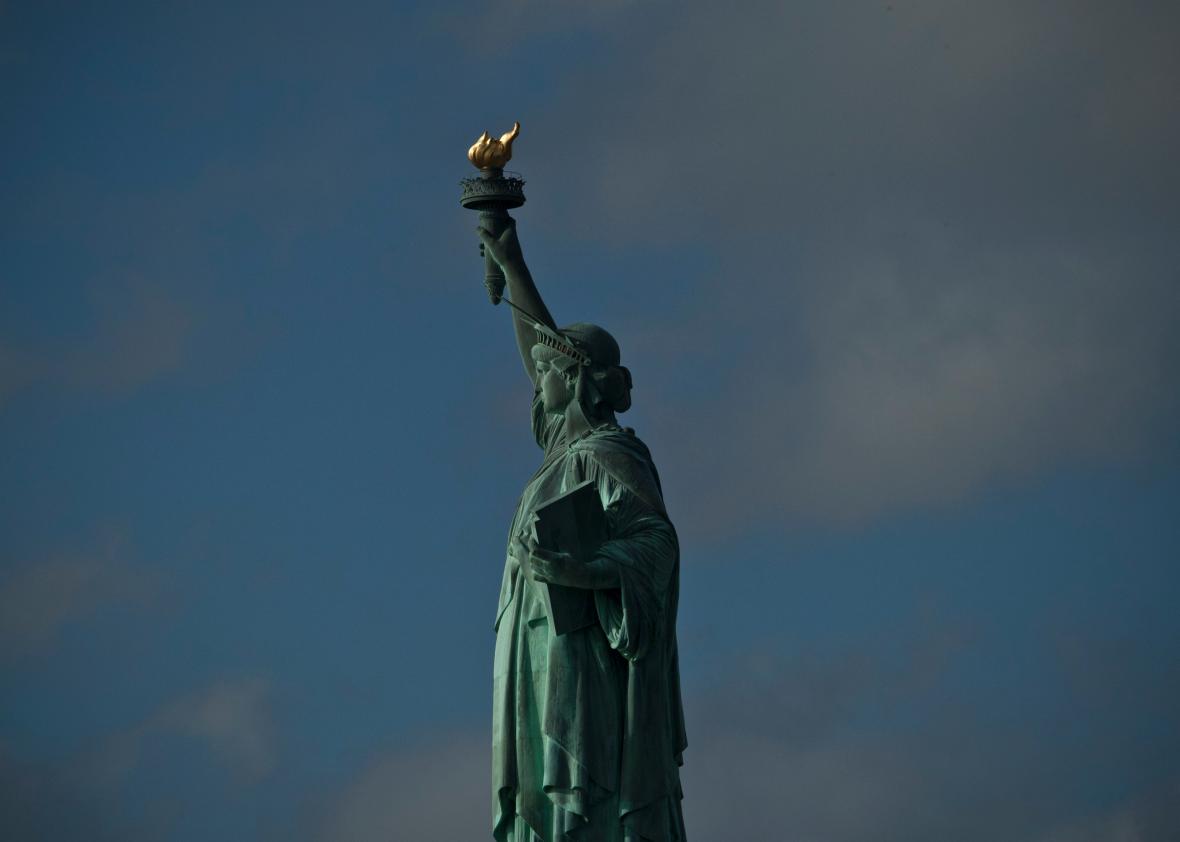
{"points": [[578, 423]]}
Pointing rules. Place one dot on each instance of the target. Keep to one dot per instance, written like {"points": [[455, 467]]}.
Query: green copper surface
{"points": [[588, 729]]}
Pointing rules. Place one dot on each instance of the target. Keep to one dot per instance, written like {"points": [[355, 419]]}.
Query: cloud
{"points": [[757, 790], [930, 379], [969, 787], [509, 26], [140, 330], [39, 599], [17, 370], [934, 244], [438, 789], [41, 802], [874, 741], [82, 796], [1148, 816], [230, 717], [848, 749], [141, 334], [884, 741]]}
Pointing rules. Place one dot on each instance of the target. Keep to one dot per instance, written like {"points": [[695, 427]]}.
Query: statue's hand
{"points": [[505, 249], [552, 567]]}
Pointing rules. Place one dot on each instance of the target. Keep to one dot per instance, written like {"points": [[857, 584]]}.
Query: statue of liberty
{"points": [[588, 728]]}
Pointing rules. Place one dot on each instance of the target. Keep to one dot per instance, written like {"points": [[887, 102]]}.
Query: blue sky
{"points": [[896, 282]]}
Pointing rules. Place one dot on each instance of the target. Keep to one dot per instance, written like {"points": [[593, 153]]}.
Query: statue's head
{"points": [[582, 362]]}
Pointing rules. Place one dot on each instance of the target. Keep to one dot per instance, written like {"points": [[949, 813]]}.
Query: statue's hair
{"points": [[613, 383]]}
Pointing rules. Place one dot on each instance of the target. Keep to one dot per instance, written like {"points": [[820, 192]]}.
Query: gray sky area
{"points": [[898, 285]]}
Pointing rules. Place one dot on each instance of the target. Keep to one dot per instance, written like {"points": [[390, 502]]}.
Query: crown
{"points": [[554, 340]]}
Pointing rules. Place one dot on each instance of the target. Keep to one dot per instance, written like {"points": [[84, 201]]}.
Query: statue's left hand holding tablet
{"points": [[552, 567]]}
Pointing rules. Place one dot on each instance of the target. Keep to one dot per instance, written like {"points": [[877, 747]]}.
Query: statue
{"points": [[588, 728]]}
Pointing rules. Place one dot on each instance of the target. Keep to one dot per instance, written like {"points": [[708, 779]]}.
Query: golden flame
{"points": [[489, 153]]}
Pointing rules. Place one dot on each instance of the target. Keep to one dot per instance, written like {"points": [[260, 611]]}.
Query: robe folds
{"points": [[588, 728]]}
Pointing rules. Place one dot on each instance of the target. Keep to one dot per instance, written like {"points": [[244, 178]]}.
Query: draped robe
{"points": [[588, 728]]}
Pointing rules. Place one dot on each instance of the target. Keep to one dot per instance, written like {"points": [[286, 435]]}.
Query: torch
{"points": [[493, 192]]}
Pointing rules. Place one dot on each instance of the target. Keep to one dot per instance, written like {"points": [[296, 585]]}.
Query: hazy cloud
{"points": [[507, 26], [231, 717], [438, 790], [38, 599], [869, 742], [864, 745], [80, 798], [841, 749], [40, 802], [142, 332], [937, 242], [931, 378], [139, 330], [17, 370], [1149, 816]]}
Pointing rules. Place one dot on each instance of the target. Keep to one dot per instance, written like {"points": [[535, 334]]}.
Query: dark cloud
{"points": [[155, 276], [437, 789], [861, 745], [855, 746], [233, 718], [39, 598], [936, 242], [1148, 816], [141, 330], [141, 335], [40, 802], [946, 787], [503, 28], [83, 797], [17, 370], [907, 251]]}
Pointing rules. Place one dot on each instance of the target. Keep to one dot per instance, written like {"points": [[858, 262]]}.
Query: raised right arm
{"points": [[521, 289]]}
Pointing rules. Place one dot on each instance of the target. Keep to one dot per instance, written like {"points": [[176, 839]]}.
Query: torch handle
{"points": [[494, 221]]}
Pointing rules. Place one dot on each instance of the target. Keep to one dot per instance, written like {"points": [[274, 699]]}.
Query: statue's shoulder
{"points": [[623, 455], [611, 440]]}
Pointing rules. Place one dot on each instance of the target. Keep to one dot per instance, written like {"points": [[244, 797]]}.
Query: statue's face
{"points": [[555, 389]]}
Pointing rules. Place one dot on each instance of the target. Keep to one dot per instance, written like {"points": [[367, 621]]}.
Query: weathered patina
{"points": [[588, 728]]}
